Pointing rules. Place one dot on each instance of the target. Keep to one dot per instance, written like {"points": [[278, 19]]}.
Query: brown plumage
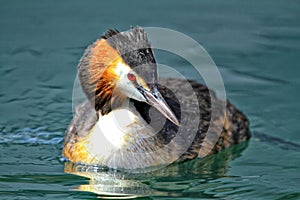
{"points": [[99, 79]]}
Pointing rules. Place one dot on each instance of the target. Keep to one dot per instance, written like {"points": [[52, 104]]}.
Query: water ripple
{"points": [[26, 49], [28, 135]]}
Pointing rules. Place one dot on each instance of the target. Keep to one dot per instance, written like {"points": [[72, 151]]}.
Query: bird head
{"points": [[121, 65]]}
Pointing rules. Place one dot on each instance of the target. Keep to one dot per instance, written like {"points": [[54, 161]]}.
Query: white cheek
{"points": [[125, 85]]}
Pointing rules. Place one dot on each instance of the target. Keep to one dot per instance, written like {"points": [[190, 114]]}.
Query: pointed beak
{"points": [[157, 101]]}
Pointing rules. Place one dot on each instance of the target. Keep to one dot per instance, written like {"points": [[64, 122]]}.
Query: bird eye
{"points": [[131, 77]]}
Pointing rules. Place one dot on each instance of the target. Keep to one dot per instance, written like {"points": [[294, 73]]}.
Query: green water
{"points": [[255, 44]]}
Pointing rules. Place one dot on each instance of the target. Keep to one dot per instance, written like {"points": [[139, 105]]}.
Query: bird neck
{"points": [[122, 127], [107, 98], [124, 136]]}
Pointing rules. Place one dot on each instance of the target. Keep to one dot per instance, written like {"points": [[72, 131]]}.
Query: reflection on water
{"points": [[169, 181]]}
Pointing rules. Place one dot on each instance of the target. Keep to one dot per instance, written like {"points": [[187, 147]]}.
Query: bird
{"points": [[133, 119]]}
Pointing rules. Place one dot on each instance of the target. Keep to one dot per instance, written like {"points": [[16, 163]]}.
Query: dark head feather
{"points": [[109, 33], [135, 49]]}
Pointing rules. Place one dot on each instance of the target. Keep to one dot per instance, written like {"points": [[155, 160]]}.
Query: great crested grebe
{"points": [[117, 126]]}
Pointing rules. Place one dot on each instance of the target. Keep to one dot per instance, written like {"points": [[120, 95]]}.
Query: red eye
{"points": [[131, 77]]}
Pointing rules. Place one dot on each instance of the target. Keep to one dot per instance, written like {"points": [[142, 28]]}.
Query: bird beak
{"points": [[157, 101]]}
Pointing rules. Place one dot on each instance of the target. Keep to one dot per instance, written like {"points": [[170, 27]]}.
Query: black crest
{"points": [[109, 33], [135, 49]]}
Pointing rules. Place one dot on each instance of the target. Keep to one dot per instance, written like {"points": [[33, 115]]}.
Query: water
{"points": [[255, 44]]}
